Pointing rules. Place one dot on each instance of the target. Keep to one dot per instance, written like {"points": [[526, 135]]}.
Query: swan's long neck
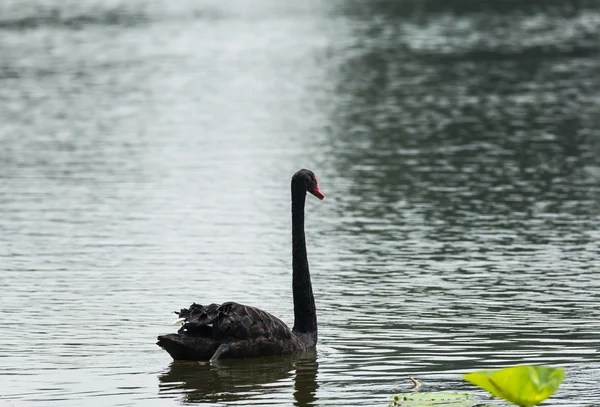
{"points": [[305, 315]]}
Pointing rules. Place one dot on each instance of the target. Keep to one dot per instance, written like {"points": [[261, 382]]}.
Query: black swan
{"points": [[233, 330]]}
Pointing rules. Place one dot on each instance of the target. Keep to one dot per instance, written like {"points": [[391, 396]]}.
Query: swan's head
{"points": [[308, 179]]}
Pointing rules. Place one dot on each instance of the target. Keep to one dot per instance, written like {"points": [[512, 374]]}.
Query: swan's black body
{"points": [[233, 330]]}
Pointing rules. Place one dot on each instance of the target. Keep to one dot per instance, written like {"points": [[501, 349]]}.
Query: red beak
{"points": [[316, 192]]}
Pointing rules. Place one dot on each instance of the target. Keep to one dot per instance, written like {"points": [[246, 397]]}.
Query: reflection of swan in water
{"points": [[305, 381], [241, 379]]}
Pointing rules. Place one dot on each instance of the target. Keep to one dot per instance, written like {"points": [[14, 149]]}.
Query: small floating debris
{"points": [[416, 383]]}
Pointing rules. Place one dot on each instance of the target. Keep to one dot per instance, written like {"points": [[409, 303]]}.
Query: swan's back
{"points": [[232, 320]]}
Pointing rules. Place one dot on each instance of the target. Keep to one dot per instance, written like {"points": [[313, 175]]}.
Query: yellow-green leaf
{"points": [[525, 386]]}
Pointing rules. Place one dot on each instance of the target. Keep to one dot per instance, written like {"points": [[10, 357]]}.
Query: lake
{"points": [[147, 150]]}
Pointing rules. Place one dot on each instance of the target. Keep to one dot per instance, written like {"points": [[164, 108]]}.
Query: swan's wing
{"points": [[198, 319], [232, 320]]}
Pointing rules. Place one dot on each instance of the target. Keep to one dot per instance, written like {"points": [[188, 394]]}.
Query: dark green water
{"points": [[146, 154]]}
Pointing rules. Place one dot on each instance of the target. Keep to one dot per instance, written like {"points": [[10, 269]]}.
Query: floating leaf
{"points": [[446, 399], [525, 386]]}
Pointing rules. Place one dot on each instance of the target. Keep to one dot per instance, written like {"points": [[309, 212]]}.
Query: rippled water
{"points": [[146, 154]]}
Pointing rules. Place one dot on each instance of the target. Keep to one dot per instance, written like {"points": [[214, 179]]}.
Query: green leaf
{"points": [[446, 399], [525, 386]]}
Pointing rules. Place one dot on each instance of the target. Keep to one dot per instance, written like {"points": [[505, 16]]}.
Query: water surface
{"points": [[146, 154]]}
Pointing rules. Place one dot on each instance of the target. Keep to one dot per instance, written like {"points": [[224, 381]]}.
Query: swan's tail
{"points": [[187, 347], [195, 339], [172, 345]]}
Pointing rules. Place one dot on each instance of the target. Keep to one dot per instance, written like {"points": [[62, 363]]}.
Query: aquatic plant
{"points": [[437, 399], [524, 386]]}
